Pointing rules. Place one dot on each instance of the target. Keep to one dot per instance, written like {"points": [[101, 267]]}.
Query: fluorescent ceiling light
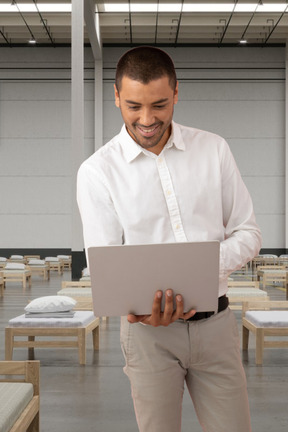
{"points": [[169, 7], [275, 7], [118, 7], [152, 7], [23, 7], [7, 7], [42, 7], [208, 7], [145, 7], [246, 7], [54, 7], [134, 7], [194, 7]]}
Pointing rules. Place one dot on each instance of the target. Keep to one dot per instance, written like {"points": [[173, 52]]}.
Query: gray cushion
{"points": [[80, 319], [14, 397], [271, 318], [245, 292], [76, 292]]}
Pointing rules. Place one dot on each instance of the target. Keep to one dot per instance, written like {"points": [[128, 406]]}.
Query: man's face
{"points": [[147, 110]]}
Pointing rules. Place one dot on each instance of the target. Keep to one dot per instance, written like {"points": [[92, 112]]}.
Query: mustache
{"points": [[136, 124]]}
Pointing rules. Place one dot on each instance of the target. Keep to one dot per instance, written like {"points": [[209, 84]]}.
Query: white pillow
{"points": [[34, 261], [51, 304], [2, 259], [16, 257], [85, 272], [63, 256], [54, 259], [14, 266]]}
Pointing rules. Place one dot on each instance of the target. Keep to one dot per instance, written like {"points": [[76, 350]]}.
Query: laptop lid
{"points": [[124, 278]]}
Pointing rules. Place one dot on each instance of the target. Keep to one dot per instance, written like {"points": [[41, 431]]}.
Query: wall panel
{"points": [[33, 230], [35, 146], [237, 93]]}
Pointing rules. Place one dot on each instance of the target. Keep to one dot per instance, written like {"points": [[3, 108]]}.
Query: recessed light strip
{"points": [[152, 7], [194, 7], [30, 7]]}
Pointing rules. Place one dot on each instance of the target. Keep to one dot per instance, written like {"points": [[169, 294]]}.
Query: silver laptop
{"points": [[124, 278]]}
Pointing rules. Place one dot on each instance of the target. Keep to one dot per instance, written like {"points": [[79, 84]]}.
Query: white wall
{"points": [[35, 143], [236, 92]]}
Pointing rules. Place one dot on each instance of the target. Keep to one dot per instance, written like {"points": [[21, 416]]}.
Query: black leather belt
{"points": [[223, 303]]}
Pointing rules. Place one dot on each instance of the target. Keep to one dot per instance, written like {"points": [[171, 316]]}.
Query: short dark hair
{"points": [[145, 64]]}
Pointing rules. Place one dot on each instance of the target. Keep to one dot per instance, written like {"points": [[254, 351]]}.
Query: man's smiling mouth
{"points": [[148, 131]]}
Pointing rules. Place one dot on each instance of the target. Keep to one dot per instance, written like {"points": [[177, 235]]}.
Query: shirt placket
{"points": [[171, 200]]}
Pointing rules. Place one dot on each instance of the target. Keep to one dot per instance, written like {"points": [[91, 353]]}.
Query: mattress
{"points": [[80, 319]]}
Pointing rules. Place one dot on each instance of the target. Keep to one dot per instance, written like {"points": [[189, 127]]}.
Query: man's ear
{"points": [[117, 96], [175, 97]]}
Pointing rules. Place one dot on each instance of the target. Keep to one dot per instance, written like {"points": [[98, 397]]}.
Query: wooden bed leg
{"points": [[9, 338], [245, 338], [82, 346], [35, 424], [31, 349], [95, 335], [259, 345]]}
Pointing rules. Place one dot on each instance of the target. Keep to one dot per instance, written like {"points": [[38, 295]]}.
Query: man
{"points": [[159, 182]]}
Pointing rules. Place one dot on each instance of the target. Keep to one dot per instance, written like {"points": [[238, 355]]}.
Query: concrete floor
{"points": [[96, 397]]}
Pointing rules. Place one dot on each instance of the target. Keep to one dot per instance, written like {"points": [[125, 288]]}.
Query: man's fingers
{"points": [[189, 314], [156, 307], [168, 309], [134, 318], [179, 306], [179, 312], [168, 316]]}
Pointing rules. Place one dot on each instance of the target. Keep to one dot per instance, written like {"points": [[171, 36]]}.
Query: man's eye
{"points": [[133, 108], [159, 106]]}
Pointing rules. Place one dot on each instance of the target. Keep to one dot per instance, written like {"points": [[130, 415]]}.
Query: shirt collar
{"points": [[131, 149]]}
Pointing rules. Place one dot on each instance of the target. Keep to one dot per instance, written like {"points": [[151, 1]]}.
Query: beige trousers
{"points": [[206, 355]]}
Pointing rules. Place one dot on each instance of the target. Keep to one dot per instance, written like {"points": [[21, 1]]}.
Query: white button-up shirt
{"points": [[192, 191]]}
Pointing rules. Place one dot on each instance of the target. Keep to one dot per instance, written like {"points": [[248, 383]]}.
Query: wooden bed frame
{"points": [[56, 266], [273, 274], [21, 276], [1, 284], [29, 370], [262, 333], [83, 303], [44, 270], [67, 262], [77, 338], [249, 290], [76, 284]]}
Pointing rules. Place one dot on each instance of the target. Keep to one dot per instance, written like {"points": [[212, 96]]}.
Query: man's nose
{"points": [[147, 117]]}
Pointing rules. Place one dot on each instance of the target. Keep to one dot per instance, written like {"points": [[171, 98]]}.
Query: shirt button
{"points": [[177, 227], [160, 160], [168, 192]]}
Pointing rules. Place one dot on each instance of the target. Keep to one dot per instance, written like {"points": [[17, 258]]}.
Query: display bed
{"points": [[62, 333]]}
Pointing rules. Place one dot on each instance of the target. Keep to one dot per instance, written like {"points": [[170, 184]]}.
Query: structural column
{"points": [[98, 107], [93, 29], [286, 146], [77, 128], [83, 10]]}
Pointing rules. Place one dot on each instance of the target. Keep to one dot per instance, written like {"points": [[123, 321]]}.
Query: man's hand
{"points": [[168, 316]]}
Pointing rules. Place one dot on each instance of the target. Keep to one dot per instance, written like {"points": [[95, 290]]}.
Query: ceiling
{"points": [[179, 28]]}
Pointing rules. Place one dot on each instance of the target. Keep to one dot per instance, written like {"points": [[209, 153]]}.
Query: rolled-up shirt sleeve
{"points": [[242, 236]]}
